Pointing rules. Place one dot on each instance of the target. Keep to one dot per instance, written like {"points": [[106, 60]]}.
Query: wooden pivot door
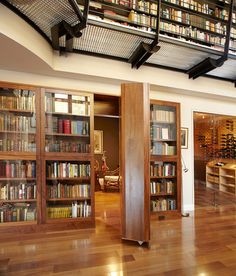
{"points": [[135, 132]]}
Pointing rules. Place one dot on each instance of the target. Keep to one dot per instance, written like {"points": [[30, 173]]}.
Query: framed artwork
{"points": [[184, 138], [98, 141]]}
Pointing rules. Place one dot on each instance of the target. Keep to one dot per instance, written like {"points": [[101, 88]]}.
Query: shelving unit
{"points": [[19, 148], [221, 177], [197, 21], [46, 159], [212, 177], [165, 165], [68, 171]]}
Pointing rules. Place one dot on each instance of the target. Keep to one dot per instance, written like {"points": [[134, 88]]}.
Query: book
{"points": [[165, 133]]}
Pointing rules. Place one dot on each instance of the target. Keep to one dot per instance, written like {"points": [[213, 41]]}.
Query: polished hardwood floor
{"points": [[202, 244], [205, 197]]}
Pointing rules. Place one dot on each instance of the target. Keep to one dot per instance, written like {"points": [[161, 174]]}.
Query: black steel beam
{"points": [[164, 67], [209, 63], [63, 28], [76, 9]]}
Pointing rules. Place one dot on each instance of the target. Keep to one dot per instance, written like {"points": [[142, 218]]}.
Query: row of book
{"points": [[163, 205], [18, 99], [67, 126], [80, 105], [143, 6], [191, 33], [67, 170], [178, 16], [11, 122], [184, 33], [64, 146], [162, 187], [17, 169], [202, 7], [160, 148], [193, 20], [77, 209], [143, 19], [19, 191], [163, 116], [17, 145], [148, 23], [68, 191], [17, 212], [162, 133], [151, 7], [162, 169]]}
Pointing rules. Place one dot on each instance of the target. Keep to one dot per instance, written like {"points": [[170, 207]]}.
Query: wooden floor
{"points": [[205, 197], [204, 244]]}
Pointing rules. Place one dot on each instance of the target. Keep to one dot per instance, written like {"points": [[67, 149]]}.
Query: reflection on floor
{"points": [[205, 197], [107, 208], [204, 244]]}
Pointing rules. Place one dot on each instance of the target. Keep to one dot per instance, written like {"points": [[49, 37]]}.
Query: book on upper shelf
{"points": [[67, 123], [195, 21], [17, 120]]}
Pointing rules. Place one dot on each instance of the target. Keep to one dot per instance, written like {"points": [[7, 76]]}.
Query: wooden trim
{"points": [[5, 155], [17, 86], [69, 178], [135, 141], [69, 198], [70, 156]]}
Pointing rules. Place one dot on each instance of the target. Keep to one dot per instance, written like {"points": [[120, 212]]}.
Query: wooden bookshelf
{"points": [[221, 175], [19, 159], [24, 201], [197, 21], [67, 157], [165, 160]]}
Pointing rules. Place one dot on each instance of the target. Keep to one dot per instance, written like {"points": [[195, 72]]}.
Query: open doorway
{"points": [[214, 159], [107, 159]]}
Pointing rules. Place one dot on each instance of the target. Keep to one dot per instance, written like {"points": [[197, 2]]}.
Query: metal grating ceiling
{"points": [[46, 13], [177, 56], [108, 42], [114, 40]]}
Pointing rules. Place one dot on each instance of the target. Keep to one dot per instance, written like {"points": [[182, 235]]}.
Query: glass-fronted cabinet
{"points": [[165, 166]]}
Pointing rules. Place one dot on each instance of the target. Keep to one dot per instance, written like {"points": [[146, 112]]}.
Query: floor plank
{"points": [[202, 244]]}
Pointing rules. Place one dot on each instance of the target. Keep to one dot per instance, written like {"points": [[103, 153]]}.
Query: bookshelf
{"points": [[165, 160], [197, 21], [67, 157], [221, 176], [19, 148], [46, 159]]}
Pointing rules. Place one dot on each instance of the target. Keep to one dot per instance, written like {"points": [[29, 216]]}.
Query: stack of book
{"points": [[163, 205], [18, 191]]}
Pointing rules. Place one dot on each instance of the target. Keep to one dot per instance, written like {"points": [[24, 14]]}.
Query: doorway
{"points": [[107, 160], [214, 159]]}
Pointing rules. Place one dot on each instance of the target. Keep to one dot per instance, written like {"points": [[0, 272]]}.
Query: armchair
{"points": [[112, 180]]}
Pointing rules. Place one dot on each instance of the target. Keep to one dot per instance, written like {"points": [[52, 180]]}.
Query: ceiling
{"points": [[116, 41]]}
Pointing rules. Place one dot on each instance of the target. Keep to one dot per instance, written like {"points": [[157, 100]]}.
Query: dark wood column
{"points": [[135, 132]]}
